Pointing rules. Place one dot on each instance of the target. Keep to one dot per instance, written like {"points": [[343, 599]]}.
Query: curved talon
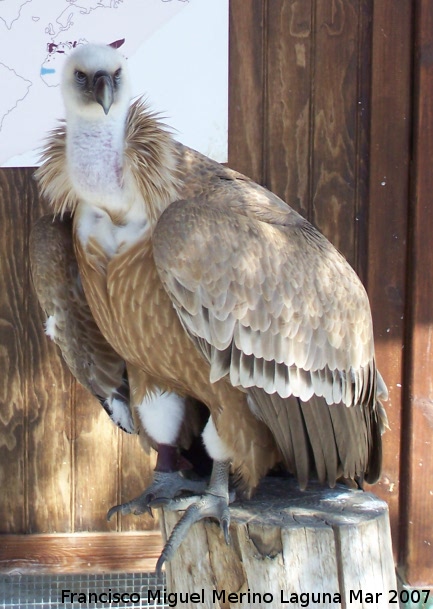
{"points": [[137, 506], [225, 525], [164, 488], [209, 505]]}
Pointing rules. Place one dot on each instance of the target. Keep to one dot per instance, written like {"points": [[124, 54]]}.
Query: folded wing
{"points": [[91, 360], [278, 311]]}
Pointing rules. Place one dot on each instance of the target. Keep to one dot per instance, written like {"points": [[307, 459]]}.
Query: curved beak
{"points": [[103, 90]]}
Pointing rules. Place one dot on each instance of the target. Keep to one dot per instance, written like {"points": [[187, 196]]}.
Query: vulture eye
{"points": [[117, 75], [80, 77]]}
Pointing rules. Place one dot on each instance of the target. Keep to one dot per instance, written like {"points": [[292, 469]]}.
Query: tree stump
{"points": [[317, 548]]}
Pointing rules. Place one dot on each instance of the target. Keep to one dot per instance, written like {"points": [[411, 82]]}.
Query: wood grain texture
{"points": [[63, 463], [246, 87], [317, 116], [417, 464], [340, 48], [387, 223], [96, 463], [289, 83], [33, 489], [79, 553], [48, 455], [284, 540], [13, 416], [135, 474], [49, 404]]}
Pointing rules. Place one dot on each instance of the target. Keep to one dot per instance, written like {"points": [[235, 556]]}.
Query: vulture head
{"points": [[95, 82]]}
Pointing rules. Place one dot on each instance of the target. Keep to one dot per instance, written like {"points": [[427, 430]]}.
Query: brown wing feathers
{"points": [[282, 315]]}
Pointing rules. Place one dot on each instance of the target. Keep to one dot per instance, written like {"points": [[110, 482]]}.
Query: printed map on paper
{"points": [[177, 51]]}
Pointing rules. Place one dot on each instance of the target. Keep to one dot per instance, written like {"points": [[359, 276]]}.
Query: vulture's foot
{"points": [[164, 488], [213, 504]]}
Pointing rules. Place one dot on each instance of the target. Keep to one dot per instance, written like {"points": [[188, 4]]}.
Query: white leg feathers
{"points": [[216, 448], [161, 414], [50, 327]]}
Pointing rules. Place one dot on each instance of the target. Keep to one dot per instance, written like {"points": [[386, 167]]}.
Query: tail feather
{"points": [[324, 441]]}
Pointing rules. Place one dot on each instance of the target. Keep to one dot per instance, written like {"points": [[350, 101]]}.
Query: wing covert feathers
{"points": [[278, 311], [279, 308]]}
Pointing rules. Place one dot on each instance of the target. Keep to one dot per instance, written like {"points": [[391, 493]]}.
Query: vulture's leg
{"points": [[212, 504], [162, 419], [168, 482]]}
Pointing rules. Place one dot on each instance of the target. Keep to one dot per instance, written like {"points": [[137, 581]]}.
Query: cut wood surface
{"points": [[285, 542]]}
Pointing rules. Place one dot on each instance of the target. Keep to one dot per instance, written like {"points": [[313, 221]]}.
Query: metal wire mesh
{"points": [[116, 591]]}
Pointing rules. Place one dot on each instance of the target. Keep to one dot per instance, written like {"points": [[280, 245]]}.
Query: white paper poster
{"points": [[177, 51]]}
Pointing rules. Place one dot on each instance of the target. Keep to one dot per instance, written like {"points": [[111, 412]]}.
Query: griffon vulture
{"points": [[208, 285]]}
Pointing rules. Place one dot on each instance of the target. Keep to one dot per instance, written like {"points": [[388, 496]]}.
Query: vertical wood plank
{"points": [[387, 233], [288, 102], [335, 120], [48, 401], [36, 487], [110, 467], [96, 463], [417, 463], [136, 473], [246, 90], [12, 354], [317, 115], [48, 458], [363, 136]]}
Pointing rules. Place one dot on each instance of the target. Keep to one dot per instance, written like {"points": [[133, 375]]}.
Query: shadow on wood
{"points": [[325, 542]]}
